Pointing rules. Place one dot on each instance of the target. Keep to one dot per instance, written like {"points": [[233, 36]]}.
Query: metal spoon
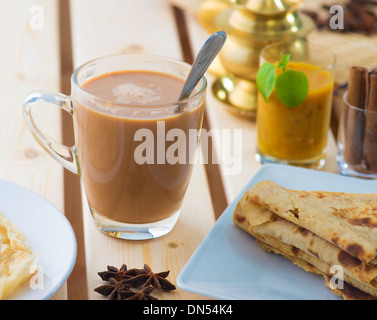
{"points": [[207, 53]]}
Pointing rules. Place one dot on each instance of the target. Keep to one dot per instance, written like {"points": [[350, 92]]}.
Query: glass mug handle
{"points": [[66, 156]]}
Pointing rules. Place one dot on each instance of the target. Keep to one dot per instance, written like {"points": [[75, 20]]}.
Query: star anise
{"points": [[117, 274], [143, 294], [145, 277], [115, 290]]}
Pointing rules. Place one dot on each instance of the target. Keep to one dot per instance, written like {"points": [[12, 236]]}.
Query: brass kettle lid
{"points": [[263, 20], [269, 7]]}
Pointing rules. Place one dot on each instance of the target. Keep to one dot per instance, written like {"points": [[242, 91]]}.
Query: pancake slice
{"points": [[303, 247], [349, 221], [17, 259]]}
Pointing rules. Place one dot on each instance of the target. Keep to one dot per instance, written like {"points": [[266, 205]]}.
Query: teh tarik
{"points": [[117, 187]]}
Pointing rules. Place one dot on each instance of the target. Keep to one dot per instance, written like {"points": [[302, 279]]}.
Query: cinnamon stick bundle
{"points": [[370, 137], [355, 120]]}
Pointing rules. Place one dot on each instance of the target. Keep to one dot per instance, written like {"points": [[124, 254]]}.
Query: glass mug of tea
{"points": [[132, 148]]}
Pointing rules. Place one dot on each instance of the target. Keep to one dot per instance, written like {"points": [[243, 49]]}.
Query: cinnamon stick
{"points": [[355, 120], [370, 137]]}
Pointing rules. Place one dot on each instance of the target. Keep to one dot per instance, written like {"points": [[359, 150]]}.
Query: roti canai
{"points": [[308, 228], [17, 259]]}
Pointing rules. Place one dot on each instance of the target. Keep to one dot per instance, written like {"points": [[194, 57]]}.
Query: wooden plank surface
{"points": [[29, 61], [101, 30], [72, 188]]}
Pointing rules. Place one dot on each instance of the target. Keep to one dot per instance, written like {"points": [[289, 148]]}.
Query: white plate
{"points": [[50, 234], [228, 264]]}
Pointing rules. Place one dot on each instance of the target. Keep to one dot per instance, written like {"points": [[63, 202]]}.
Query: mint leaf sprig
{"points": [[291, 87]]}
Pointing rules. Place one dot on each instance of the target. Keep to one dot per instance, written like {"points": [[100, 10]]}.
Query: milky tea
{"points": [[117, 186]]}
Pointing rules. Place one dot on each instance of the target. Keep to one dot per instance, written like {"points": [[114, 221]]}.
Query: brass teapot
{"points": [[250, 25]]}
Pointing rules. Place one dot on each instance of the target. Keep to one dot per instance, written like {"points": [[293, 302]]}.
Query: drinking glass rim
{"points": [[149, 106], [345, 95], [282, 42]]}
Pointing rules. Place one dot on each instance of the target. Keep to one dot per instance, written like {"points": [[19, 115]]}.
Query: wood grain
{"points": [[76, 283], [29, 61]]}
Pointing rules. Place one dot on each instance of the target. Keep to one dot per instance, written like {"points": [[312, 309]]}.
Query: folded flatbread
{"points": [[17, 259], [349, 221], [307, 228]]}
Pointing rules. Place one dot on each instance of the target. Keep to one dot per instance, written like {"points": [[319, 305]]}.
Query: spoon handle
{"points": [[202, 61]]}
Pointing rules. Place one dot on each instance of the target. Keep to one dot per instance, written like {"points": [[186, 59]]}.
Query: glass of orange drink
{"points": [[296, 135]]}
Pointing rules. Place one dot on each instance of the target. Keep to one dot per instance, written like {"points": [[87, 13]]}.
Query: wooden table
{"points": [[42, 42]]}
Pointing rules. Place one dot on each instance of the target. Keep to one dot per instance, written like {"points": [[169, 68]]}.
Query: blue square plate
{"points": [[229, 264]]}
